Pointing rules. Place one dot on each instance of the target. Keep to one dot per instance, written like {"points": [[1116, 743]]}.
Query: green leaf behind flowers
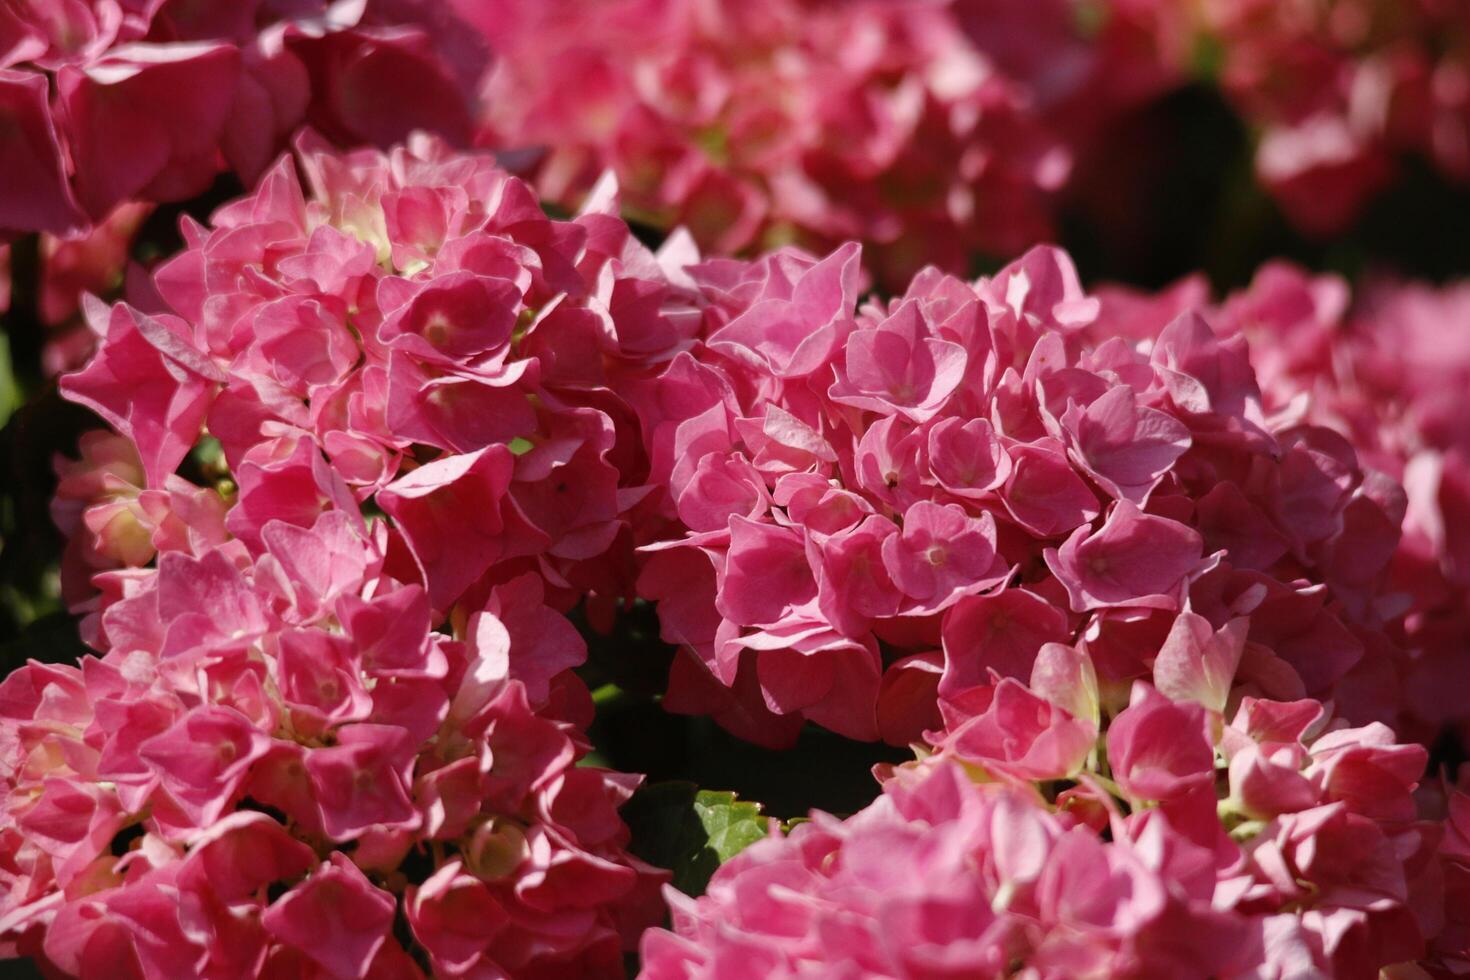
{"points": [[690, 831]]}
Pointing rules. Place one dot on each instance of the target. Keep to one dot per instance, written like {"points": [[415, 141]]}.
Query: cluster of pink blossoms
{"points": [[927, 130], [1315, 866], [319, 740], [1406, 371], [107, 101], [1387, 369], [373, 435], [418, 335], [1067, 542], [279, 769], [881, 505], [1339, 90]]}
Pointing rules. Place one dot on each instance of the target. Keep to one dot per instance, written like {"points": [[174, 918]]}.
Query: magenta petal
{"points": [[37, 196]]}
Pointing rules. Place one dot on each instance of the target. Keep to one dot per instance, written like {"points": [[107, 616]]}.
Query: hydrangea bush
{"points": [[413, 502]]}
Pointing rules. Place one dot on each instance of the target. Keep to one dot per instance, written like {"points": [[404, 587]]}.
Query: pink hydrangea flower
{"points": [[318, 364], [981, 469], [1160, 749], [1450, 948], [942, 553], [282, 772], [1133, 595], [1021, 734], [1044, 830], [928, 131], [1133, 559], [1383, 370], [942, 876], [317, 700], [83, 83]]}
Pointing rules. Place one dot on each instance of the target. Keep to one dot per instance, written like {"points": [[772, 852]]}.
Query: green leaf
{"points": [[10, 394], [1207, 57], [690, 831], [732, 825]]}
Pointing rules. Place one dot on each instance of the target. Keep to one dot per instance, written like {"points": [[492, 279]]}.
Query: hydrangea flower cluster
{"points": [[333, 697], [881, 505], [279, 768], [416, 336], [1339, 90], [927, 130], [103, 102], [971, 867], [1071, 538], [1406, 372], [1385, 368]]}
